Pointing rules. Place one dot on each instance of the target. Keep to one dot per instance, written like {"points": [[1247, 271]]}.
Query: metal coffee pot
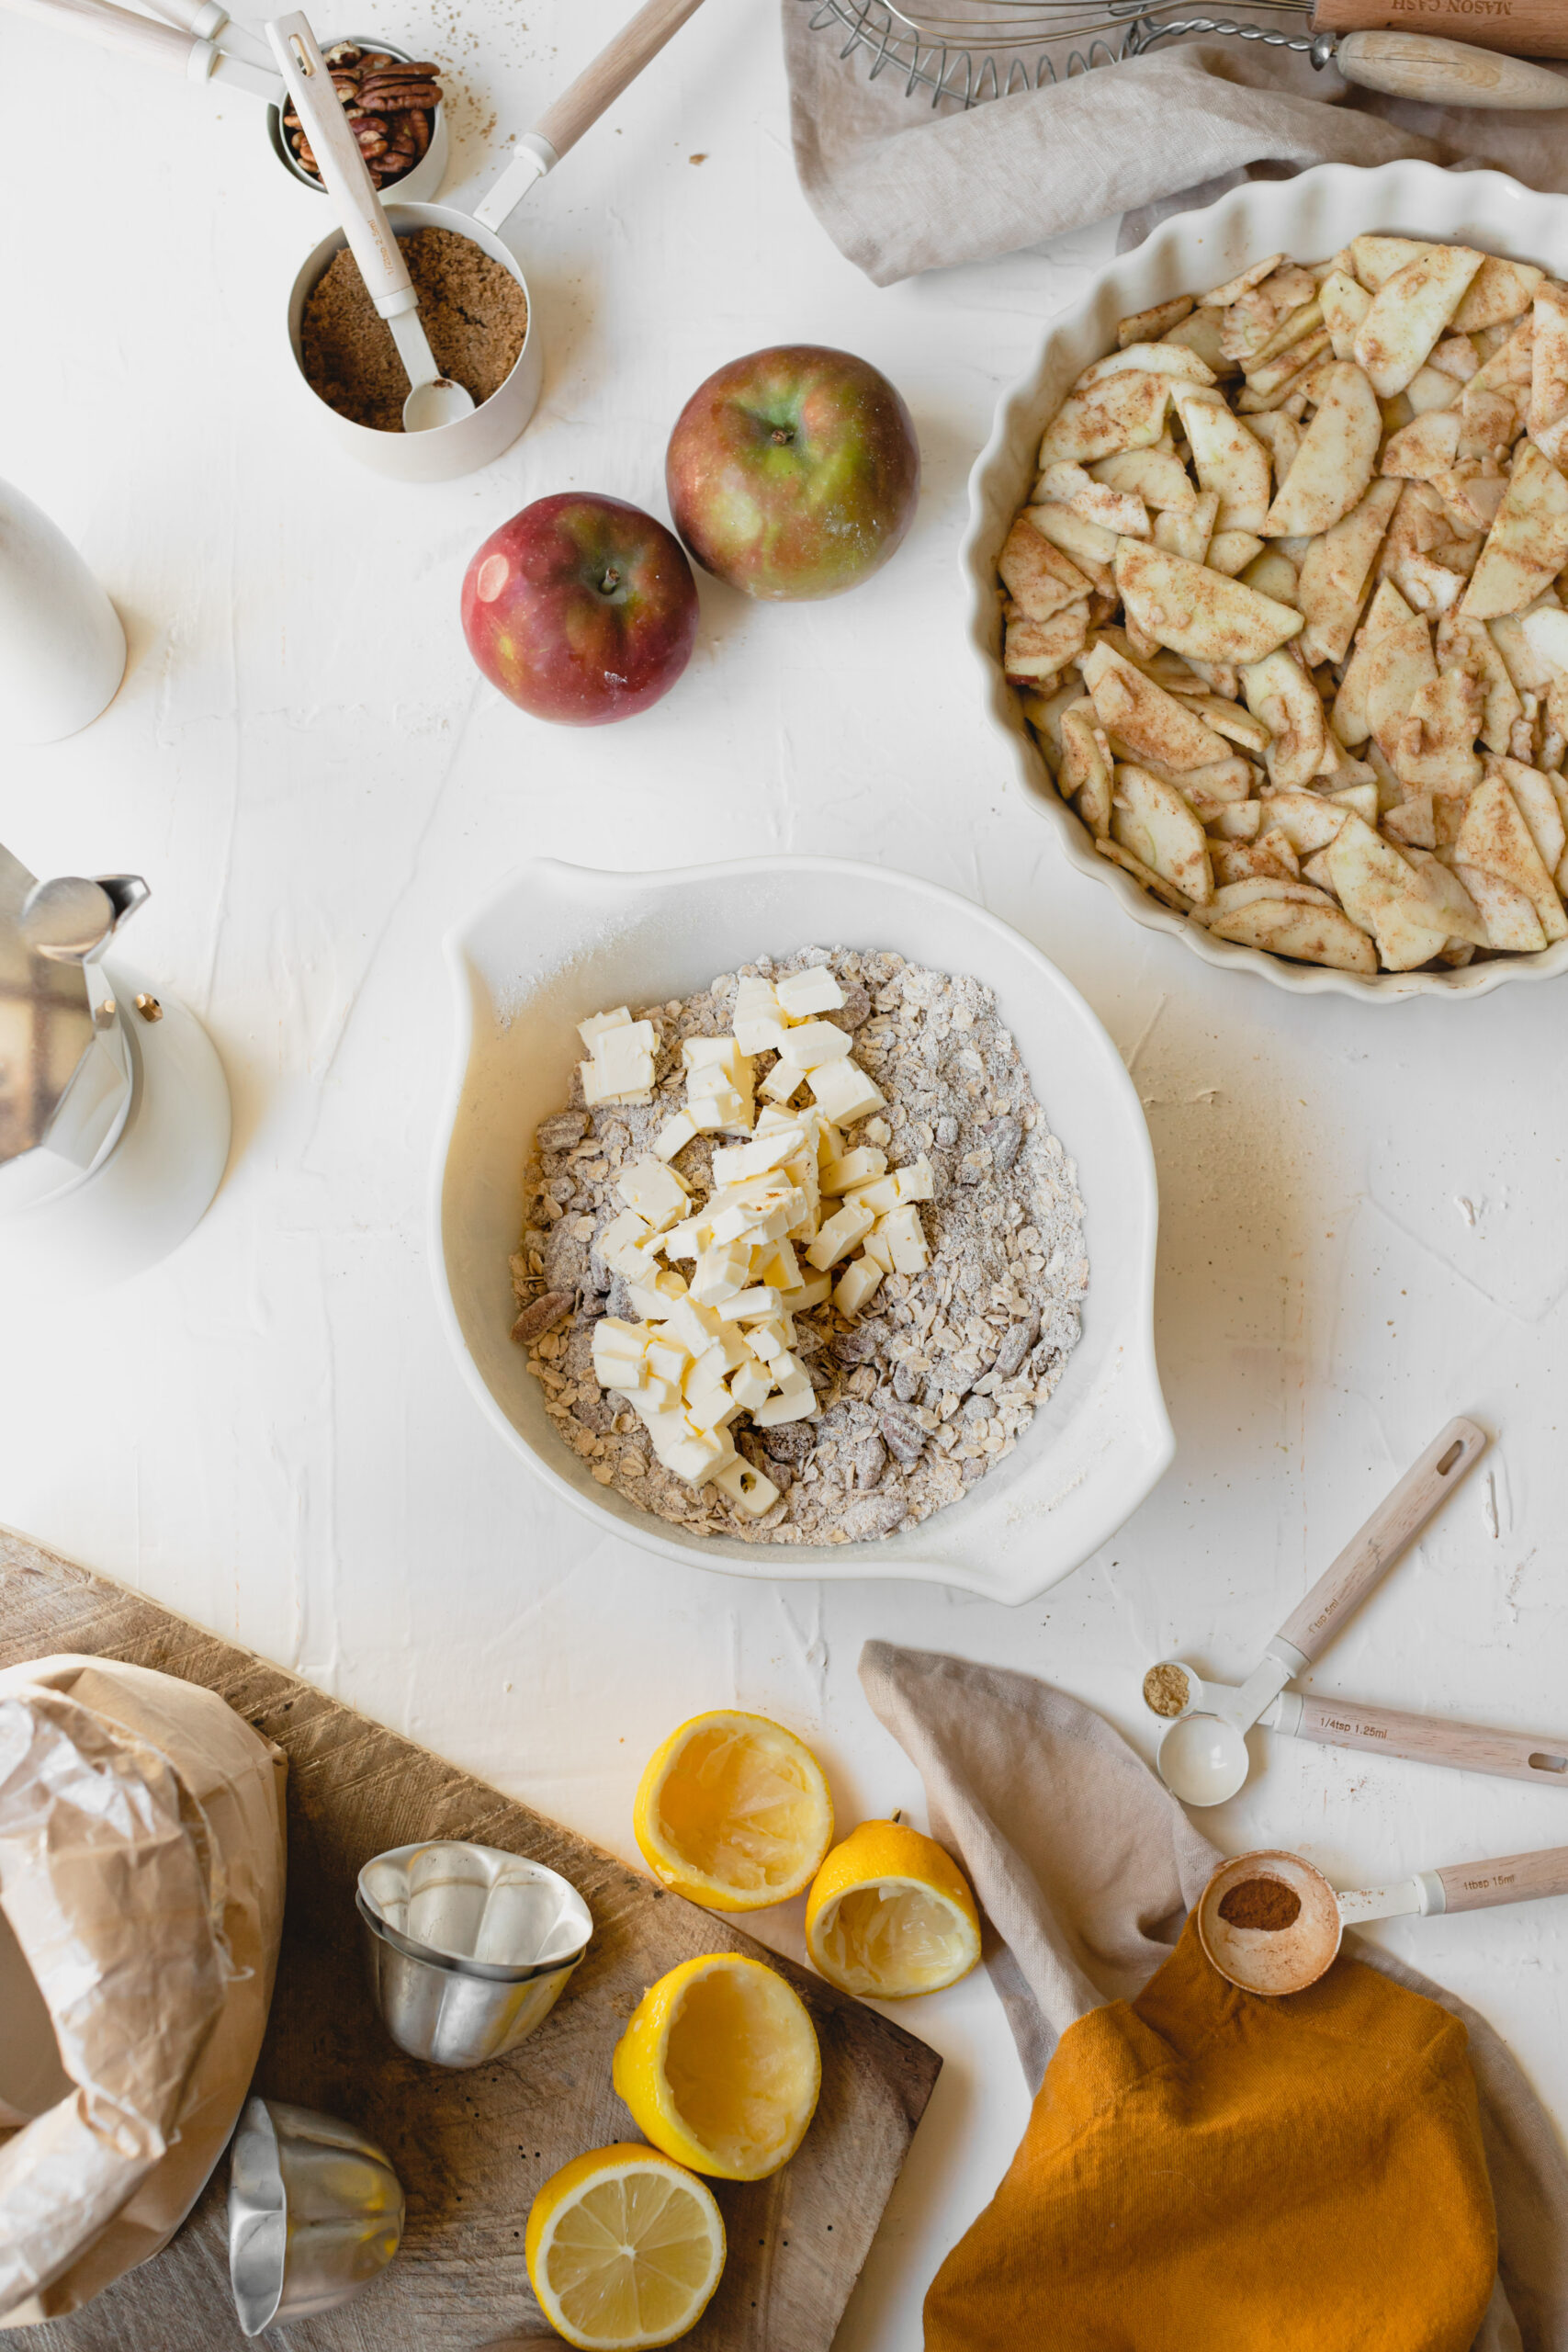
{"points": [[114, 1112]]}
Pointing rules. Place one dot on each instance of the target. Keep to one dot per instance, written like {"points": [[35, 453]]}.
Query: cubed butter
{"points": [[752, 1306], [905, 1237], [667, 1359], [860, 1167], [674, 1136], [880, 1195], [814, 1044], [838, 1236], [720, 1273], [733, 1164], [810, 1293], [622, 1058], [859, 1283], [918, 1181], [879, 1249], [751, 1487], [697, 1456], [844, 1092], [783, 1083], [779, 1409], [750, 1387], [655, 1192], [593, 1028], [813, 990], [783, 1269]]}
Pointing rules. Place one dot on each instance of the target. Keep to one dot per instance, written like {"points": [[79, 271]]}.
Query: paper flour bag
{"points": [[141, 1872]]}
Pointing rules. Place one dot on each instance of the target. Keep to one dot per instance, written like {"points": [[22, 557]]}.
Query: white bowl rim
{"points": [[851, 1561], [1270, 202]]}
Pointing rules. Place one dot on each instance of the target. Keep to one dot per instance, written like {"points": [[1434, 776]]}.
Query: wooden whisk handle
{"points": [[1522, 27]]}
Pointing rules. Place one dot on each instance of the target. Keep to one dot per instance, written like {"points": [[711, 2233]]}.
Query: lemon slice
{"points": [[733, 1812], [721, 2067], [623, 2249], [890, 1913]]}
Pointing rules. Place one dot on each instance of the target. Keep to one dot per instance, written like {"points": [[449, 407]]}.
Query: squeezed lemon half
{"points": [[733, 1812], [890, 1913], [623, 2249], [720, 2066]]}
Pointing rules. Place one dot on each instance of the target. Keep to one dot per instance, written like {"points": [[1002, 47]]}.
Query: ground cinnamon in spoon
{"points": [[1266, 1903], [474, 312]]}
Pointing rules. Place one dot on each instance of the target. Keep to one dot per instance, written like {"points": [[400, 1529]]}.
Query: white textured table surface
{"points": [[1364, 1226]]}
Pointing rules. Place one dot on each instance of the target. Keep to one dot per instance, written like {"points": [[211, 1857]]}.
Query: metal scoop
{"points": [[1289, 1957], [1203, 1757], [434, 400]]}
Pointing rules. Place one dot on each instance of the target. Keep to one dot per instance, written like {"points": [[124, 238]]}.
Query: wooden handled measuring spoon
{"points": [[1270, 1923], [1203, 1757], [433, 399]]}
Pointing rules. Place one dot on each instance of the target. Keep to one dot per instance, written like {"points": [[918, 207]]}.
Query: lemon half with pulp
{"points": [[623, 2249], [733, 1812], [720, 2066], [890, 1913]]}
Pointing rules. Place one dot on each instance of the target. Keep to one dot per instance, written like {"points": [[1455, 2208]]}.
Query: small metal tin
{"points": [[469, 1948], [315, 2213], [422, 186]]}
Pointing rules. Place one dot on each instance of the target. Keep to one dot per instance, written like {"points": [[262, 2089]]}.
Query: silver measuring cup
{"points": [[469, 1948], [315, 2213]]}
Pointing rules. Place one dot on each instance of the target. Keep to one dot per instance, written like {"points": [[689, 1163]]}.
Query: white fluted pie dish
{"points": [[555, 943], [1307, 218]]}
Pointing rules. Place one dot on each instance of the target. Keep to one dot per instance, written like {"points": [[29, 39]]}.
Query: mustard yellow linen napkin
{"points": [[1086, 1867]]}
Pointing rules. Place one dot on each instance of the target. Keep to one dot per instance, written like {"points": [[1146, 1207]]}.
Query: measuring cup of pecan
{"points": [[394, 104]]}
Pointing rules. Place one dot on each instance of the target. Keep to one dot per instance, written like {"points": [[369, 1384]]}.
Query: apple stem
{"points": [[612, 579], [783, 433]]}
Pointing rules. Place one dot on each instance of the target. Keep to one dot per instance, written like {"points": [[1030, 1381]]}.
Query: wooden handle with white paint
{"points": [[344, 173], [601, 83], [1396, 1522], [1429, 1739], [1523, 27], [149, 41], [1446, 73], [1512, 1878]]}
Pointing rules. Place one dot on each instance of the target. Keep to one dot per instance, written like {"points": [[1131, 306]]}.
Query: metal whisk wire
{"points": [[945, 54]]}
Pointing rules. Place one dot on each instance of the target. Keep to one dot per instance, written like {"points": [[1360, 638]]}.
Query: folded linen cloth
{"points": [[901, 188], [1086, 1867]]}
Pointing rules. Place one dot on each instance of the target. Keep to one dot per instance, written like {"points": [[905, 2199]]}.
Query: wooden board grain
{"points": [[470, 2148]]}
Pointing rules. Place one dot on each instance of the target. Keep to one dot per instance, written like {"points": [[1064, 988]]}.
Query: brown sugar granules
{"points": [[1265, 1903], [1165, 1689], [474, 312]]}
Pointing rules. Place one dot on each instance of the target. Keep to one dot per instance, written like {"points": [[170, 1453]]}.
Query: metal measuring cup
{"points": [[469, 1948], [315, 2213], [470, 442]]}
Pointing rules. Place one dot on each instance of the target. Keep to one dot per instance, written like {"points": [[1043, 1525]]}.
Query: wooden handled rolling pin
{"points": [[1522, 27]]}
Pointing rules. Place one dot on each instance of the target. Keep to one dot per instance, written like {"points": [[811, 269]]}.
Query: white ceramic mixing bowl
{"points": [[556, 943], [1309, 217]]}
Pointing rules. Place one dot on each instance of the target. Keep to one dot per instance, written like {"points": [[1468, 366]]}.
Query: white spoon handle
{"points": [[1368, 1557], [343, 167], [1428, 1739], [150, 42], [1446, 72]]}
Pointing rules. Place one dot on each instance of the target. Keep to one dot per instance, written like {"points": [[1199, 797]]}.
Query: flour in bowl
{"points": [[943, 1225]]}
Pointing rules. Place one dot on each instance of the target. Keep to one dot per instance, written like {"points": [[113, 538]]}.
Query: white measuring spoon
{"points": [[1203, 1757], [1290, 1958], [433, 399]]}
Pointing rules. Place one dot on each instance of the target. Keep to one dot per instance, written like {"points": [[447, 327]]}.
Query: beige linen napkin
{"points": [[1086, 1868], [900, 188]]}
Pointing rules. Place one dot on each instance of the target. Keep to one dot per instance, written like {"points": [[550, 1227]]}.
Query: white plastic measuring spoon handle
{"points": [[1395, 1523], [1445, 73], [579, 107], [1510, 1878], [1425, 1740], [150, 42], [208, 19], [343, 168]]}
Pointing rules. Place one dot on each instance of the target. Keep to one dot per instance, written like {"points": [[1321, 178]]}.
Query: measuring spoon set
{"points": [[1203, 1758]]}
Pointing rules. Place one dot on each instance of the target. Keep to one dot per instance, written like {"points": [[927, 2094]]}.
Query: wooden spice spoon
{"points": [[434, 400], [1289, 1957]]}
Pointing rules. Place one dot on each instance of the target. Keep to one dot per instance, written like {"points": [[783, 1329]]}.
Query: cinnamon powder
{"points": [[1266, 1903], [474, 312]]}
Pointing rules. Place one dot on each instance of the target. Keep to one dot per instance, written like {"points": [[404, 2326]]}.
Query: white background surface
{"points": [[1364, 1223]]}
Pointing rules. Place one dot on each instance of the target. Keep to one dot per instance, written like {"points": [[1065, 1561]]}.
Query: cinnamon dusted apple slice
{"points": [[1121, 412], [1198, 612], [1409, 313], [1281, 693], [1331, 586], [1311, 933], [1495, 838], [1384, 896], [1527, 546], [1334, 465], [1150, 818]]}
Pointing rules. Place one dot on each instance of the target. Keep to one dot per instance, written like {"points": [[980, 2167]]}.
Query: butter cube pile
{"points": [[788, 1207]]}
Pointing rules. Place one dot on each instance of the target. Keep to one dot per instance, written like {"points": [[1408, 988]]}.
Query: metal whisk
{"points": [[969, 54]]}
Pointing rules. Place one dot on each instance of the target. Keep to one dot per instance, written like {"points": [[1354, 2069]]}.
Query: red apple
{"points": [[581, 609], [793, 472]]}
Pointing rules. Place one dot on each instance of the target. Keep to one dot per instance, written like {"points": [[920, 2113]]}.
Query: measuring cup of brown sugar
{"points": [[348, 381]]}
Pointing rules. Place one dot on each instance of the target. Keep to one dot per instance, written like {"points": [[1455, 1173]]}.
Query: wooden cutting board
{"points": [[470, 2148]]}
